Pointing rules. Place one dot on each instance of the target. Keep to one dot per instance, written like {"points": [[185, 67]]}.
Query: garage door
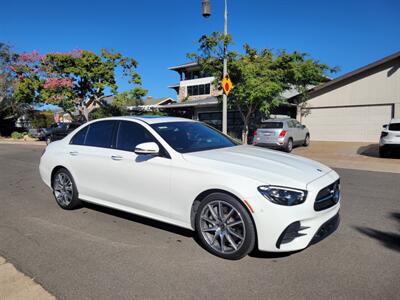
{"points": [[356, 124]]}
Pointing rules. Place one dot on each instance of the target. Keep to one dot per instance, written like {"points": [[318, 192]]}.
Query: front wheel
{"points": [[48, 140], [224, 227], [64, 190]]}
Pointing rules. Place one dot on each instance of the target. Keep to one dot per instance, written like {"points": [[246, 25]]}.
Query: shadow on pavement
{"points": [[372, 150], [173, 229], [388, 239], [139, 219]]}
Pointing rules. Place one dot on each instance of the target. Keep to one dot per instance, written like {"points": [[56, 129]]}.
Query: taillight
{"points": [[255, 132], [383, 134], [282, 134]]}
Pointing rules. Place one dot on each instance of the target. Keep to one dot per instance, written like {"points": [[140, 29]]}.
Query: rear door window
{"points": [[79, 137], [394, 126], [100, 134]]}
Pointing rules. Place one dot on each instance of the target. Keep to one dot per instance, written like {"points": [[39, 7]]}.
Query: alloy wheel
{"points": [[63, 189], [307, 142], [290, 145], [222, 227]]}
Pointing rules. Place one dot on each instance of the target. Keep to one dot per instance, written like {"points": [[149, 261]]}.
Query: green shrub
{"points": [[17, 135]]}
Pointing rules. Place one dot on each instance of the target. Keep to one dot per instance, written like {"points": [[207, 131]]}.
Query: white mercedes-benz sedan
{"points": [[186, 173]]}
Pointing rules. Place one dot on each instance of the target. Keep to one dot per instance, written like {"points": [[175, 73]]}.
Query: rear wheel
{"points": [[289, 146], [306, 140], [64, 190], [48, 140]]}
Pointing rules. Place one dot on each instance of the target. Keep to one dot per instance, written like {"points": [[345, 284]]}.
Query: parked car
{"points": [[389, 142], [37, 133], [282, 134], [57, 131], [186, 173]]}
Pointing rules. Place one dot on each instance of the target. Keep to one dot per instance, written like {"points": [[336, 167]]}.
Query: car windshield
{"points": [[187, 137], [272, 125]]}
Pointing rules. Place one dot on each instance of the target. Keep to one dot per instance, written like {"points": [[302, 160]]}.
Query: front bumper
{"points": [[304, 224]]}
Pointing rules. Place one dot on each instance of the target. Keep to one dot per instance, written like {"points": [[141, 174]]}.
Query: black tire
{"points": [[71, 192], [48, 140], [306, 140], [289, 146], [243, 234]]}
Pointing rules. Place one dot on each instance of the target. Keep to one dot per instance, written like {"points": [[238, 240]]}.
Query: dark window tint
{"points": [[272, 125], [394, 126], [79, 137], [131, 134], [100, 134]]}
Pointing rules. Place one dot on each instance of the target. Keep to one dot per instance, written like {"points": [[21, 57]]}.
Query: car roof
{"points": [[151, 119], [395, 121]]}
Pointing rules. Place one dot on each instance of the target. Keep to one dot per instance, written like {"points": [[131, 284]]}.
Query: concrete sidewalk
{"points": [[22, 142], [15, 285], [350, 155]]}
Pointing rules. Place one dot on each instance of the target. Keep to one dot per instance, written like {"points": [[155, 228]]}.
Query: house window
{"points": [[215, 119], [195, 90]]}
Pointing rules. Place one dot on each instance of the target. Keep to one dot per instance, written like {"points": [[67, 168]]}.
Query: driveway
{"points": [[350, 155], [99, 253]]}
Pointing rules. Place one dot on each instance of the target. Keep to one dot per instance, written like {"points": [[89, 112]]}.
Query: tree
{"points": [[68, 79], [7, 58], [130, 98], [42, 119], [259, 76]]}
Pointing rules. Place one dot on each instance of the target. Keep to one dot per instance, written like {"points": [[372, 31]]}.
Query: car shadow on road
{"points": [[390, 240], [139, 219], [173, 229], [372, 150]]}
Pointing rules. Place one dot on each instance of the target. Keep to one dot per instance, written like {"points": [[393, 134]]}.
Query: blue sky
{"points": [[159, 33]]}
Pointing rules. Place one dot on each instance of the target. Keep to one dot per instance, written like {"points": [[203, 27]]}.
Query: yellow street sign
{"points": [[226, 84]]}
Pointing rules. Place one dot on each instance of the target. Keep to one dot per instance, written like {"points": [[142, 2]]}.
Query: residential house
{"points": [[198, 95], [354, 106]]}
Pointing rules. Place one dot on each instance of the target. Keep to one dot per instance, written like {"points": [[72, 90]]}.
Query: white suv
{"points": [[390, 138]]}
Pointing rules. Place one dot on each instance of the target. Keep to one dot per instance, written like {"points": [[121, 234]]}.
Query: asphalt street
{"points": [[98, 253]]}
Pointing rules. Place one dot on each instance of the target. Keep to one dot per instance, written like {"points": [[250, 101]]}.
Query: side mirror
{"points": [[385, 126], [150, 148], [303, 126]]}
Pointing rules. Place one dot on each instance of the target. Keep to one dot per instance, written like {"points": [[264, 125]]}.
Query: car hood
{"points": [[267, 166]]}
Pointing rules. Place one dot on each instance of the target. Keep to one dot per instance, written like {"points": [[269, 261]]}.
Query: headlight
{"points": [[282, 195]]}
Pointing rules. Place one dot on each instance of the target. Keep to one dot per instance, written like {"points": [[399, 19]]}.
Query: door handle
{"points": [[74, 153], [116, 157]]}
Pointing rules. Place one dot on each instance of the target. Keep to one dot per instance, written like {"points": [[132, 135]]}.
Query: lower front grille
{"points": [[290, 233], [328, 196], [326, 229]]}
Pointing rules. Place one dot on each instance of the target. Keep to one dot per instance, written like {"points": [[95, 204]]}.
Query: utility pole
{"points": [[206, 13]]}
